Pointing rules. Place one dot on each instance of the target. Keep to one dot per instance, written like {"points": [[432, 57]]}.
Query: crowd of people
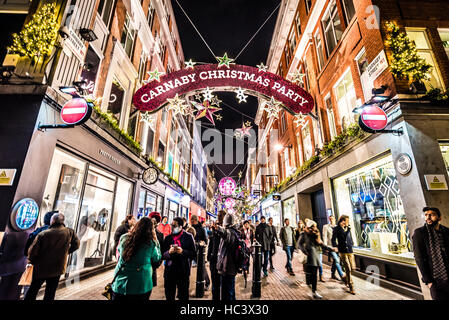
{"points": [[142, 246]]}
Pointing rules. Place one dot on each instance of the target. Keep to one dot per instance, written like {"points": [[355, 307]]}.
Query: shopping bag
{"points": [[27, 276]]}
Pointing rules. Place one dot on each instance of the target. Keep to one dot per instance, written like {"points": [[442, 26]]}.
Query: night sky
{"points": [[227, 26]]}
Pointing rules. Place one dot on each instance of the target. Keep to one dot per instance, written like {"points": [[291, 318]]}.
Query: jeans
{"points": [[228, 288], [179, 282], [289, 253], [128, 297], [266, 256], [336, 264], [50, 288], [311, 276]]}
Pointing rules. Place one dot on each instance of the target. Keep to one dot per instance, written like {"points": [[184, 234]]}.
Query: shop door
{"points": [[319, 209]]}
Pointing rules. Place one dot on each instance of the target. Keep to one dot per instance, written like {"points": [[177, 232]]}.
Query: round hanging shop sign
{"points": [[403, 164], [76, 111], [154, 95], [24, 214], [374, 118]]}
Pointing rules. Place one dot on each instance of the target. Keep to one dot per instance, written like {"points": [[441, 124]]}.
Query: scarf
{"points": [[177, 239], [435, 243]]}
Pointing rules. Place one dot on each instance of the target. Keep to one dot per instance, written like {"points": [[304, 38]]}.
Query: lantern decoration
{"points": [[229, 203], [227, 186]]}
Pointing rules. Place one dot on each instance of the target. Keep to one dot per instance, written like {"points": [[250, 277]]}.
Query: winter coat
{"points": [[283, 236], [421, 250], [49, 251], [308, 245], [226, 263], [121, 230], [264, 235], [135, 275], [342, 239], [165, 229], [178, 265]]}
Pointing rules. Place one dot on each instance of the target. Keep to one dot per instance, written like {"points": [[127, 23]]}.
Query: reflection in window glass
{"points": [[63, 188], [370, 196]]}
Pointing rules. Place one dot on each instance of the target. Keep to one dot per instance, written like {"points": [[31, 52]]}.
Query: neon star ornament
{"points": [[189, 64], [262, 67], [205, 110], [224, 61], [207, 94], [154, 75]]}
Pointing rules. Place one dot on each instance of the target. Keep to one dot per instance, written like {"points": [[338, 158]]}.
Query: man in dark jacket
{"points": [[178, 250], [156, 217], [263, 236], [431, 249], [212, 254], [288, 244], [226, 264], [48, 254], [342, 239], [34, 234]]}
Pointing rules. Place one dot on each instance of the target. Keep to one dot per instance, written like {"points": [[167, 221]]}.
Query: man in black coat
{"points": [[263, 236], [431, 249], [178, 250]]}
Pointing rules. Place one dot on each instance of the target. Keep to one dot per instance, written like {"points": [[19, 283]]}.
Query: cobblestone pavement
{"points": [[279, 285]]}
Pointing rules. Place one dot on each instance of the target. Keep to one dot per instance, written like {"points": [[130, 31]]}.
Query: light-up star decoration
{"points": [[272, 108], [154, 75], [243, 131], [262, 67], [205, 110], [189, 64], [178, 105], [241, 95], [298, 77], [207, 94], [300, 120], [224, 61]]}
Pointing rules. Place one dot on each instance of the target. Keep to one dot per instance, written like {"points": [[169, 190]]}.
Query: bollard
{"points": [[201, 269], [257, 266]]}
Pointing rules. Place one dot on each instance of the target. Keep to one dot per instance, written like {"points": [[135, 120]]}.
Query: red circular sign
{"points": [[74, 111], [374, 118]]}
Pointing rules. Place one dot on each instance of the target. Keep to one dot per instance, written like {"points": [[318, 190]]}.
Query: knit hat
{"points": [[155, 215], [310, 223], [228, 220]]}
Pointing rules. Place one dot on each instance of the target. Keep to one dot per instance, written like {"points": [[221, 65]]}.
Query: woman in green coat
{"points": [[133, 273]]}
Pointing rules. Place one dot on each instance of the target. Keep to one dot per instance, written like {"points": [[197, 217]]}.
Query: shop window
{"points": [[346, 98], [105, 10], [332, 28], [444, 35], [370, 196], [349, 9], [331, 117], [90, 70], [64, 185], [116, 100], [307, 142], [445, 151], [425, 51], [319, 49], [128, 36]]}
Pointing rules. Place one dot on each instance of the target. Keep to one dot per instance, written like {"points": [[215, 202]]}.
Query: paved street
{"points": [[279, 285]]}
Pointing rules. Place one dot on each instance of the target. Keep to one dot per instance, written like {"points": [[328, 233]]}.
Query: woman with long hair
{"points": [[133, 274]]}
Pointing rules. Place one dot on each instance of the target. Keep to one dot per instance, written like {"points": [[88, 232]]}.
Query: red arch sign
{"points": [[154, 95]]}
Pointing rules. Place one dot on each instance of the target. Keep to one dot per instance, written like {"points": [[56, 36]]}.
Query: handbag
{"points": [[302, 258], [27, 276], [107, 292]]}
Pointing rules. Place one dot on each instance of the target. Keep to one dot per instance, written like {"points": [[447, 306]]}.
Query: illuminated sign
{"points": [[154, 95]]}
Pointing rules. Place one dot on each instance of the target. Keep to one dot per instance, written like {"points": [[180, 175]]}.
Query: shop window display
{"points": [[370, 196]]}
